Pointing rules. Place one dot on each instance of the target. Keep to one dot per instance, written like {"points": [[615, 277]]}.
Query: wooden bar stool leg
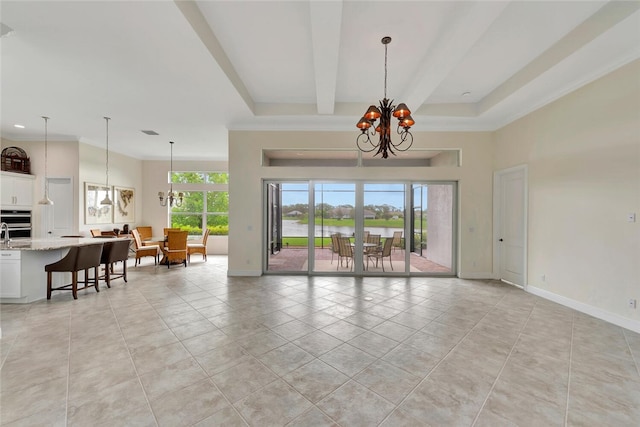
{"points": [[96, 271], [107, 276], [74, 284], [48, 285]]}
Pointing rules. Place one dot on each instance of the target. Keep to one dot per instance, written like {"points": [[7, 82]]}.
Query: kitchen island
{"points": [[22, 261]]}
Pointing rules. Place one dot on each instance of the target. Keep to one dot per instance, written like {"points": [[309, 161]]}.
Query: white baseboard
{"points": [[632, 325], [476, 276], [244, 273]]}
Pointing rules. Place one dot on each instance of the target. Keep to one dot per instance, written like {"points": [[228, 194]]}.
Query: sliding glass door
{"points": [[286, 219], [360, 228], [334, 221]]}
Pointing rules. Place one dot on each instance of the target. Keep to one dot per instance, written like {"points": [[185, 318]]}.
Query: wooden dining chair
{"points": [[146, 232], [176, 250], [199, 247], [143, 251], [166, 230]]}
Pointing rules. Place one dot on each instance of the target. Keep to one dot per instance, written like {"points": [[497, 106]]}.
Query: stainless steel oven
{"points": [[19, 223]]}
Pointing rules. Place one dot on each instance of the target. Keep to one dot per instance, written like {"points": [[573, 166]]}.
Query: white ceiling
{"points": [[192, 70]]}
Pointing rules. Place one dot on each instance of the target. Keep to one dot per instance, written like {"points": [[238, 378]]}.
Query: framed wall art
{"points": [[124, 209], [94, 212]]}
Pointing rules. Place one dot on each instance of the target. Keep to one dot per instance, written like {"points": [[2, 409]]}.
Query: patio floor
{"points": [[296, 259]]}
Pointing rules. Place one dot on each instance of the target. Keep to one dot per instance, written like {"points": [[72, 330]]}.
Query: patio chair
{"points": [[335, 245], [397, 240], [372, 239], [382, 254], [345, 251]]}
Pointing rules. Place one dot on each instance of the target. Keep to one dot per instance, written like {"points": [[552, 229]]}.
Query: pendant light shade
{"points": [[45, 200], [107, 200]]}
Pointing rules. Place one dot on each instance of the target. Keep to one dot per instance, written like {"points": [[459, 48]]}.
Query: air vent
{"points": [[150, 132]]}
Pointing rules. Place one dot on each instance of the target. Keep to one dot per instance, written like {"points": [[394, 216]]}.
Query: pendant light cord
{"points": [[171, 169], [46, 181], [107, 168]]}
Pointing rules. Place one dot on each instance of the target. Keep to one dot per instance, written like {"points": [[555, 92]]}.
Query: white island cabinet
{"points": [[10, 274], [23, 279]]}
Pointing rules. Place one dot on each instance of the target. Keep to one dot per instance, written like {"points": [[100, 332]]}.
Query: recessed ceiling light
{"points": [[465, 94], [18, 126]]}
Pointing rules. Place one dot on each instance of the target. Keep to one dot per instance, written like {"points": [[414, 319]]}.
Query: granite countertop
{"points": [[48, 244]]}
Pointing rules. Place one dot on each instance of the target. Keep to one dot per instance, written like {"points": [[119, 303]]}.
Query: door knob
{"points": [[500, 240]]}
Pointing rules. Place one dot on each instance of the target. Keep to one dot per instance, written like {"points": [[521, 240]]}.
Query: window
{"points": [[206, 202]]}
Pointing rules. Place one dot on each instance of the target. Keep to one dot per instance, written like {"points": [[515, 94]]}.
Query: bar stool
{"points": [[78, 258], [113, 251]]}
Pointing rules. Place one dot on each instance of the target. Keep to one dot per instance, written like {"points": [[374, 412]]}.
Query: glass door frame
{"points": [[358, 259]]}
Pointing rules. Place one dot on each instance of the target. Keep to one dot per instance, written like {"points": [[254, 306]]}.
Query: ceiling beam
{"points": [[326, 22], [194, 17]]}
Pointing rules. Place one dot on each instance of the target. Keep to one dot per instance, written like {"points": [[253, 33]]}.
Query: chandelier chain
{"points": [[385, 70]]}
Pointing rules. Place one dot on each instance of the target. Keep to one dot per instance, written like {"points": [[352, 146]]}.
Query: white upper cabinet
{"points": [[16, 191]]}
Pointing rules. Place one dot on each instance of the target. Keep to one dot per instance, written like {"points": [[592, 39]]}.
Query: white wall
{"points": [[123, 171], [246, 234], [583, 154]]}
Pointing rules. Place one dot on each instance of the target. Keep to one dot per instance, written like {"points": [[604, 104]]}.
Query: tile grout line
{"points": [[440, 361], [503, 366], [566, 412], [634, 357], [135, 368], [66, 406]]}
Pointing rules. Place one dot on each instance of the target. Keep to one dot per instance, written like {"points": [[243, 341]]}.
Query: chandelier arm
{"points": [[405, 136], [365, 138]]}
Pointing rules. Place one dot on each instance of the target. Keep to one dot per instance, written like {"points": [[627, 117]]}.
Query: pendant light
{"points": [[107, 200], [45, 200], [172, 199]]}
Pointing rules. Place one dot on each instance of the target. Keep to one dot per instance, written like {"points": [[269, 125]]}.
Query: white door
{"points": [[57, 219], [510, 227]]}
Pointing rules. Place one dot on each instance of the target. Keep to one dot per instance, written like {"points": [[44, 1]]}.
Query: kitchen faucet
{"points": [[4, 226]]}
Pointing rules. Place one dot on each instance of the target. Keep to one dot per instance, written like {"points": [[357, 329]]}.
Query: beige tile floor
{"points": [[184, 347]]}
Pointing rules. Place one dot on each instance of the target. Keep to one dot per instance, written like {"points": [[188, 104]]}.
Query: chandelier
{"points": [[367, 124], [45, 200], [172, 199], [107, 200]]}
